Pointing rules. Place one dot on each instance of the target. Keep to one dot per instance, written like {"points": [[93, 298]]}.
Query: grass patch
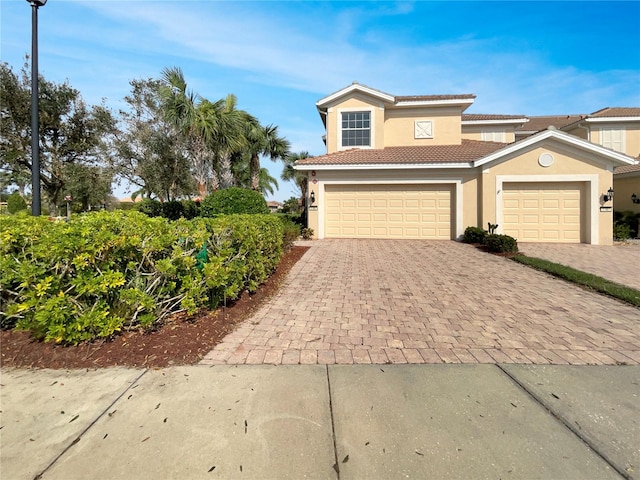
{"points": [[588, 280]]}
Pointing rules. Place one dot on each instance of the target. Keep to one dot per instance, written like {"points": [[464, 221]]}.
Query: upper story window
{"points": [[356, 129], [494, 136], [613, 138]]}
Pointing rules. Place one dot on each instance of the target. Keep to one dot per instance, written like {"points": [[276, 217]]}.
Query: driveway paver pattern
{"points": [[619, 263], [406, 301]]}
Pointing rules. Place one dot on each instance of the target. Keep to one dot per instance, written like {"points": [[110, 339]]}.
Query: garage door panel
{"points": [[388, 211], [543, 212]]}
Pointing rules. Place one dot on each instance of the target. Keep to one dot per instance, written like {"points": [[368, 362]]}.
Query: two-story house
{"points": [[419, 167], [615, 128]]}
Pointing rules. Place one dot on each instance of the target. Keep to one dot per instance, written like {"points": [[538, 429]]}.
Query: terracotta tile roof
{"points": [[536, 124], [426, 98], [627, 169], [473, 117], [616, 112], [468, 151]]}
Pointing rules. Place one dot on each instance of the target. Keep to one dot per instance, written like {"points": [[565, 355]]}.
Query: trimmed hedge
{"points": [[474, 235], [103, 272], [233, 200], [500, 243]]}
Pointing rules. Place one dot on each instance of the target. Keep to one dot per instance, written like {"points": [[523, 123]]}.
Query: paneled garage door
{"points": [[388, 211], [543, 212]]}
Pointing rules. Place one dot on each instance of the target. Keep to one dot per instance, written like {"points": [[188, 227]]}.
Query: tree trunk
{"points": [[254, 169], [202, 189]]}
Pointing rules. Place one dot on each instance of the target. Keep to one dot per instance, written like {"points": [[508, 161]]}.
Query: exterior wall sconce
{"points": [[312, 197], [635, 198], [609, 195]]}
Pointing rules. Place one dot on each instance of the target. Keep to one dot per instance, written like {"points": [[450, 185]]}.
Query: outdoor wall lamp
{"points": [[609, 195], [312, 197], [635, 198]]}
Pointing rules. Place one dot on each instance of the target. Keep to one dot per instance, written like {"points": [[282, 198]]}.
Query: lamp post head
{"points": [[37, 3]]}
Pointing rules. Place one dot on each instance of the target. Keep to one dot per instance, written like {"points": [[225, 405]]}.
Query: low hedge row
{"points": [[228, 201], [494, 242], [103, 272]]}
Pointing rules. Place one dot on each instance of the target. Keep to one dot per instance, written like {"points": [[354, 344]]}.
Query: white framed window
{"points": [[494, 136], [355, 128], [613, 138]]}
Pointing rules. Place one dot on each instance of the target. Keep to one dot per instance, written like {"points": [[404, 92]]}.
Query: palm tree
{"points": [[263, 141], [242, 175], [212, 129], [299, 178]]}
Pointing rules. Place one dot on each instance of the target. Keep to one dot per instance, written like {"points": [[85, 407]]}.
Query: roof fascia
{"points": [[611, 119], [463, 102], [514, 121], [383, 166], [562, 137], [355, 87]]}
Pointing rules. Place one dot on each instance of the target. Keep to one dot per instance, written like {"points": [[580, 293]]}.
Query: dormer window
{"points": [[356, 129]]}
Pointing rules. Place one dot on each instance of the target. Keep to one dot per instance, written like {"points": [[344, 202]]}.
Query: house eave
{"points": [[615, 157], [384, 166], [435, 103], [515, 121], [352, 88], [611, 119]]}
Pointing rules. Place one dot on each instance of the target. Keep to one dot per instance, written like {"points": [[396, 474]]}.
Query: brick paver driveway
{"points": [[380, 301]]}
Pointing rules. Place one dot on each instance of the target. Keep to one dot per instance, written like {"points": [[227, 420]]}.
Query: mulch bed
{"points": [[181, 340]]}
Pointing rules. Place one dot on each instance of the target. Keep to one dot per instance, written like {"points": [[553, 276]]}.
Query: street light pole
{"points": [[35, 134]]}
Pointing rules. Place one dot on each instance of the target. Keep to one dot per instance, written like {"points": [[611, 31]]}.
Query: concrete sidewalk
{"points": [[319, 421]]}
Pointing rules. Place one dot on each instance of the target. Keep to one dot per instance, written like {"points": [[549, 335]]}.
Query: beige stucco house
{"points": [[419, 167]]}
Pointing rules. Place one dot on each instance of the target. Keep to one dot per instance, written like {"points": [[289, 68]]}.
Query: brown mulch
{"points": [[182, 340]]}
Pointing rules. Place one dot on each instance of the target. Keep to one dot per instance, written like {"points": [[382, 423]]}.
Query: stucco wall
{"points": [[624, 186], [400, 122], [474, 132], [354, 102]]}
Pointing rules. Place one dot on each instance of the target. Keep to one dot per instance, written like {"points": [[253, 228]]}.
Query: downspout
{"points": [[580, 125]]}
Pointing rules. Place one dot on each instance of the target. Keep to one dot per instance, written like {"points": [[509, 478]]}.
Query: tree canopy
{"points": [[72, 134]]}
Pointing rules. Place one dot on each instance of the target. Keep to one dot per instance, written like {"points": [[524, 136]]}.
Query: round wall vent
{"points": [[545, 160]]}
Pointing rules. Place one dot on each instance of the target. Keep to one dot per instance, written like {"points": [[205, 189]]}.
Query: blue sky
{"points": [[279, 58]]}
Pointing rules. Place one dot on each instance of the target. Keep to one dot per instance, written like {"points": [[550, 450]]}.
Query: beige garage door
{"points": [[543, 212], [388, 211]]}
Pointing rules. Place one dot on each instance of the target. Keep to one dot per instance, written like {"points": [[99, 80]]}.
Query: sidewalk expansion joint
{"points": [[77, 439], [336, 465], [567, 424]]}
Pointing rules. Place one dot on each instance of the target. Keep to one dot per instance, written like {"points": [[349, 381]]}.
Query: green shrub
{"points": [[191, 209], [15, 203], [151, 208], [500, 243], [474, 235], [103, 272], [307, 233], [621, 231], [125, 206], [233, 201], [291, 231], [173, 210], [629, 218]]}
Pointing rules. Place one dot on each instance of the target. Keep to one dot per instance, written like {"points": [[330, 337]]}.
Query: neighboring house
{"points": [[419, 167], [274, 206], [626, 182]]}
